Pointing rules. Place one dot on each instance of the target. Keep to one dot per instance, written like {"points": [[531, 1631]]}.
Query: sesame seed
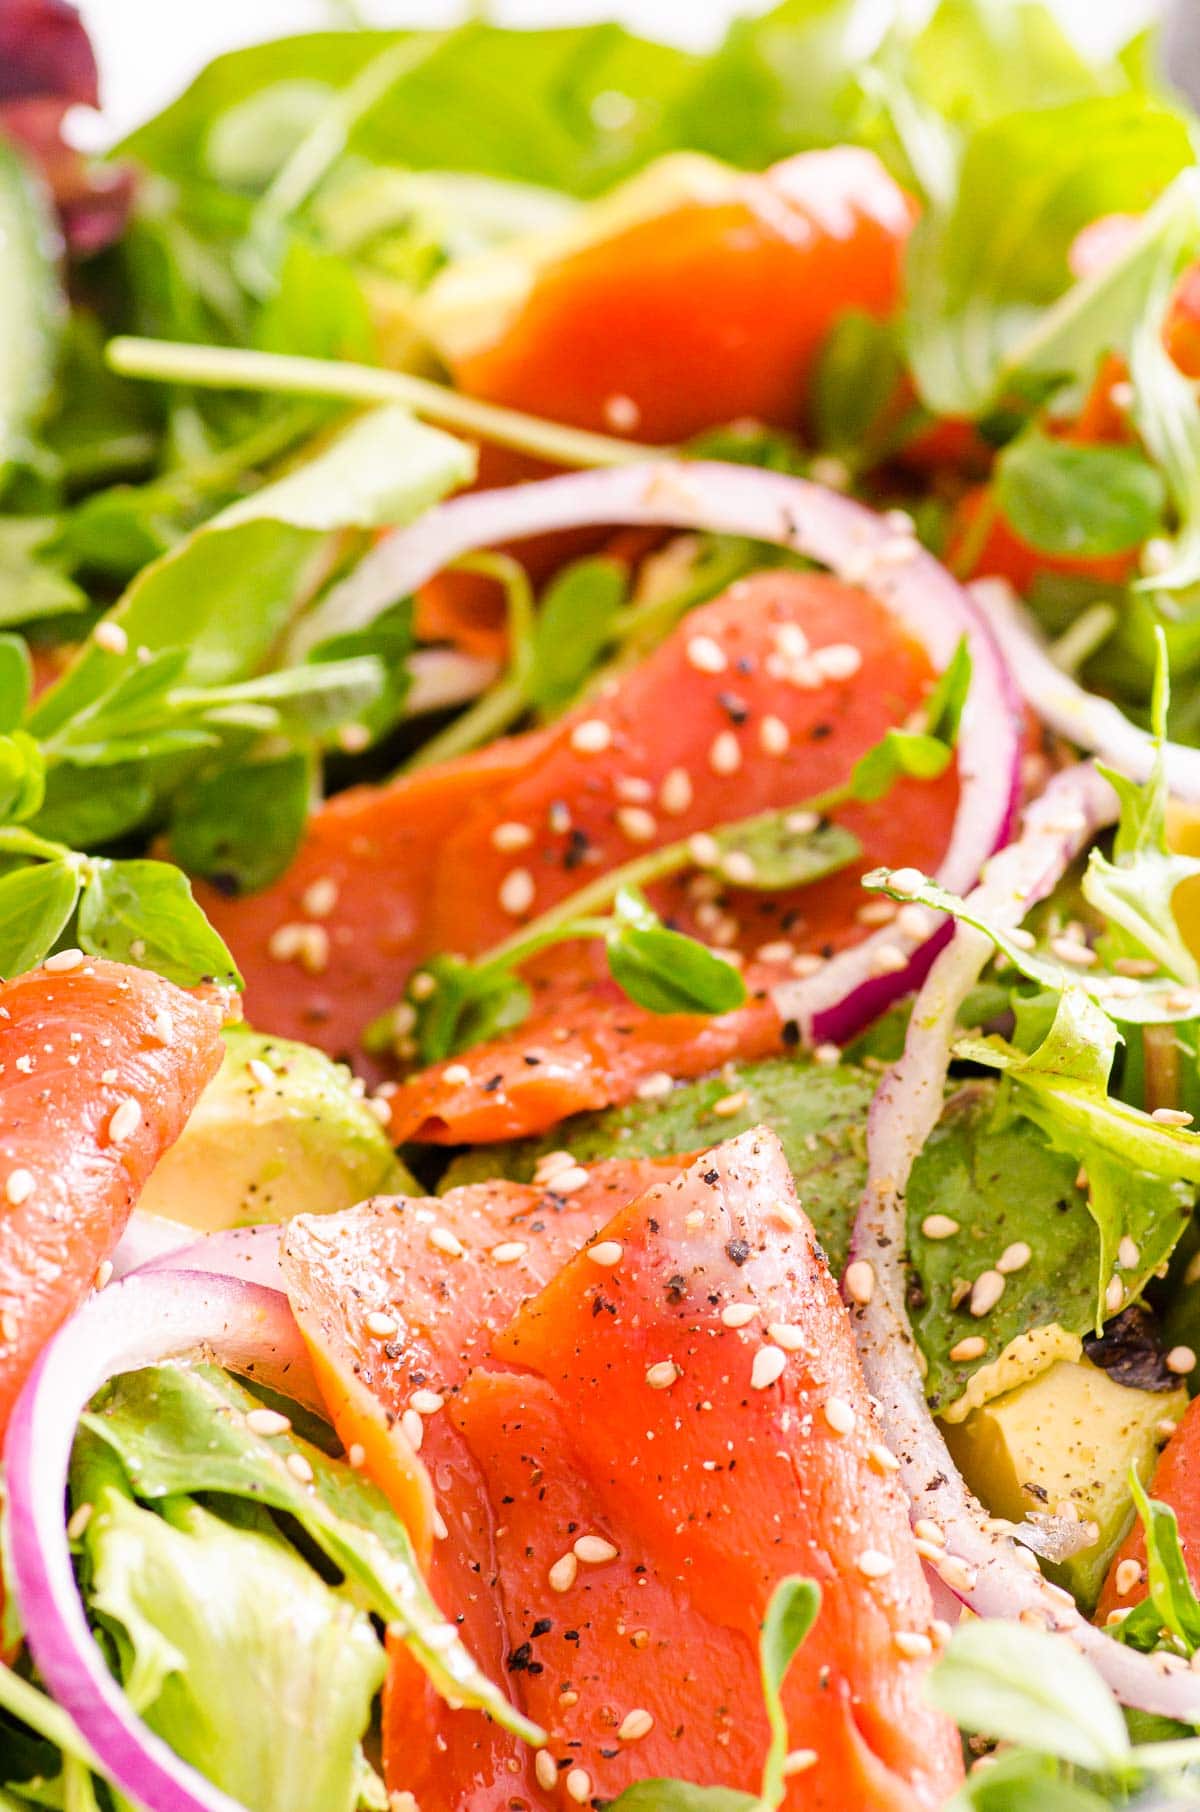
{"points": [[509, 1251], [1172, 1116], [546, 1769], [111, 637], [860, 1281], [636, 823], [19, 1187], [799, 1761], [781, 951], [562, 1574], [516, 892], [62, 961], [839, 1415], [740, 868], [457, 1075], [914, 1645], [104, 1273], [1114, 1295], [785, 1335], [594, 1550], [10, 1327], [608, 1253], [1182, 1000], [888, 959], [442, 1240], [675, 794], [770, 1363], [908, 881], [163, 1026], [381, 1326], [939, 1226], [422, 985], [972, 1346], [1128, 1577], [1014, 1258], [267, 1422], [261, 1072], [774, 737], [986, 1292], [299, 1468], [1128, 1253], [635, 1725], [1180, 1359], [826, 1054], [633, 790], [706, 655], [928, 1530], [567, 1181], [549, 1165], [881, 1458], [579, 1786], [109, 1076], [725, 755], [1073, 950], [621, 413], [838, 661], [876, 912], [874, 1565], [124, 1120], [413, 1429], [914, 921], [731, 1104], [738, 1314], [807, 963], [353, 738], [662, 1375], [591, 737], [655, 1087]]}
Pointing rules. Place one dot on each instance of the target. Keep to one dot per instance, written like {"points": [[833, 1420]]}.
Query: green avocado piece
{"points": [[1068, 1435], [818, 1112], [263, 1150]]}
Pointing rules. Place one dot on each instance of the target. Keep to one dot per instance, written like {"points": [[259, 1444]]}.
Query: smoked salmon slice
{"points": [[100, 1066], [626, 1463], [1176, 1483]]}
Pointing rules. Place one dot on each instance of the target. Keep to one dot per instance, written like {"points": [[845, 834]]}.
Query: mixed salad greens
{"points": [[637, 616]]}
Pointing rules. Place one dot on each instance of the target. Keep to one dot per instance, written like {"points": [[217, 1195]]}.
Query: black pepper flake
{"points": [[738, 1250], [542, 1627], [520, 1660], [711, 1177], [676, 1288], [493, 1083], [736, 709]]}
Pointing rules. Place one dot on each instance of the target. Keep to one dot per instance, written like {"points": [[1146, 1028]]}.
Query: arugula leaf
{"points": [[36, 903], [1028, 1687], [213, 1614], [1170, 1605], [983, 271], [1068, 499], [664, 970], [240, 827], [225, 594], [180, 1430], [144, 912], [575, 621]]}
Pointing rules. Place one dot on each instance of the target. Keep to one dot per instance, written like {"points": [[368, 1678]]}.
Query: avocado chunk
{"points": [[1066, 1436], [280, 1130]]}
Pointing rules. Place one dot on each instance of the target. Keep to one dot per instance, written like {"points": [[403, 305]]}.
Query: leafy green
{"points": [[32, 582], [240, 826], [983, 271], [857, 375], [214, 1618], [1170, 1606], [1019, 1684], [664, 970], [1068, 499], [36, 904], [574, 625], [32, 304], [143, 912], [182, 1431]]}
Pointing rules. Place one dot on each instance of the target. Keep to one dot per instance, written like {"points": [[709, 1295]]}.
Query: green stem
{"points": [[326, 140], [1090, 630], [500, 708], [238, 368], [975, 540], [32, 1708]]}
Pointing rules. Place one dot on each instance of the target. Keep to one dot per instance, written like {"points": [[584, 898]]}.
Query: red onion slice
{"points": [[979, 1564], [860, 547], [148, 1318], [1090, 722], [250, 1253]]}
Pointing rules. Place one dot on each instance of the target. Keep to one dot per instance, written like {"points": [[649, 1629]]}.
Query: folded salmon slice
{"points": [[625, 1463], [100, 1066]]}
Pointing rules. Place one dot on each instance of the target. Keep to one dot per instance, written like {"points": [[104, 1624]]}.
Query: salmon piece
{"points": [[381, 1257], [322, 973], [1176, 1482], [708, 1488], [78, 1046], [585, 1045]]}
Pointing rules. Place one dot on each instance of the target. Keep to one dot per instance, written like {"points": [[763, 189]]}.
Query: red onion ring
{"points": [[853, 542], [147, 1238], [249, 1253], [1091, 723], [979, 1564], [148, 1318]]}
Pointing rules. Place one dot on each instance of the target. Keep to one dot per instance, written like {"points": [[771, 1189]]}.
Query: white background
{"points": [[149, 49]]}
